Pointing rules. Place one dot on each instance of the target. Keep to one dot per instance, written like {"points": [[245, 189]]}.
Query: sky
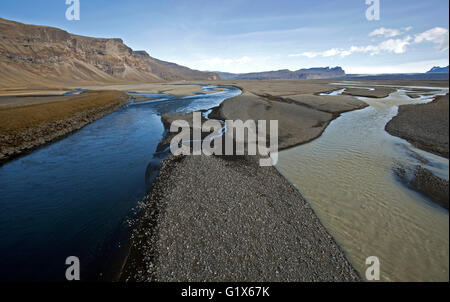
{"points": [[251, 36]]}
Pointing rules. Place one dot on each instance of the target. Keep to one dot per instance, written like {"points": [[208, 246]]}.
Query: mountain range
{"points": [[285, 74], [40, 56], [438, 69]]}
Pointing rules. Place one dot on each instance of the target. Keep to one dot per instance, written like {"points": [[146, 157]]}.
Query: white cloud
{"points": [[437, 35], [397, 46], [394, 45], [385, 32], [331, 52]]}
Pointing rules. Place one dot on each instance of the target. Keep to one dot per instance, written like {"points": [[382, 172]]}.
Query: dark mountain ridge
{"points": [[438, 69]]}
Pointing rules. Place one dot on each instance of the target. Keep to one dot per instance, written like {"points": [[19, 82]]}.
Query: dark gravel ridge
{"points": [[228, 219], [424, 125]]}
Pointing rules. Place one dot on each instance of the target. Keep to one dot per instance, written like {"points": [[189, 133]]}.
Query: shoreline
{"points": [[424, 126], [21, 141]]}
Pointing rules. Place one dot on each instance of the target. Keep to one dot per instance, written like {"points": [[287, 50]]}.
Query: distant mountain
{"points": [[285, 74], [39, 56], [399, 76], [322, 73], [438, 69]]}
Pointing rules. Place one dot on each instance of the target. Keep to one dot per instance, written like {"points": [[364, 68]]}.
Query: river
{"points": [[347, 177], [73, 197]]}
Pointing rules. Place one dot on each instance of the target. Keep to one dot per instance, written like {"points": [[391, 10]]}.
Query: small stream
{"points": [[347, 175], [73, 197]]}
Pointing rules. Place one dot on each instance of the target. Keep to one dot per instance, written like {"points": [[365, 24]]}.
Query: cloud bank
{"points": [[437, 35], [397, 46]]}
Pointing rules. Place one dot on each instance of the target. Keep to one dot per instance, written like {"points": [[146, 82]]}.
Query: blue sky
{"points": [[246, 36]]}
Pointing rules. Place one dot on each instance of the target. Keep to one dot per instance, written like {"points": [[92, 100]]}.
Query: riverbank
{"points": [[424, 181], [175, 89], [424, 125], [26, 127]]}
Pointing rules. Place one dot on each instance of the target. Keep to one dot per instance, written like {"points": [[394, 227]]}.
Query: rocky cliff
{"points": [[38, 56]]}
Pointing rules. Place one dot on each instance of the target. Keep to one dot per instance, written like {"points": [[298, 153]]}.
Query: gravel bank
{"points": [[424, 181], [227, 219], [425, 125], [172, 88]]}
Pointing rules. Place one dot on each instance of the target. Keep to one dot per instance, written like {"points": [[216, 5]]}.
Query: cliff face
{"points": [[39, 56], [285, 74]]}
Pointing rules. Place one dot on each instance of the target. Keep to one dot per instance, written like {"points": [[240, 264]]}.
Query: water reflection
{"points": [[71, 198]]}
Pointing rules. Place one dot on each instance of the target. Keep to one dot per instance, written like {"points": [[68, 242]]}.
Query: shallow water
{"points": [[72, 197], [347, 176]]}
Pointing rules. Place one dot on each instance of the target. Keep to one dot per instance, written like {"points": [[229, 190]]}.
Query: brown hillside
{"points": [[39, 56]]}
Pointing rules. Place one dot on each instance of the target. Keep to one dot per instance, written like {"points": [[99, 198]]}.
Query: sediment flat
{"points": [[228, 219], [424, 125], [22, 99], [37, 122], [334, 104], [173, 88], [377, 92], [296, 124], [32, 92], [301, 118]]}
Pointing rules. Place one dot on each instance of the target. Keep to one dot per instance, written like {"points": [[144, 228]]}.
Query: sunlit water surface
{"points": [[347, 176]]}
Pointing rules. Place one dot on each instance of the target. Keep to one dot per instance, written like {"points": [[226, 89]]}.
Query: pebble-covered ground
{"points": [[228, 219], [424, 125]]}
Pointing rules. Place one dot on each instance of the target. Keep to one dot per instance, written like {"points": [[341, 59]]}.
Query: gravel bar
{"points": [[228, 219]]}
